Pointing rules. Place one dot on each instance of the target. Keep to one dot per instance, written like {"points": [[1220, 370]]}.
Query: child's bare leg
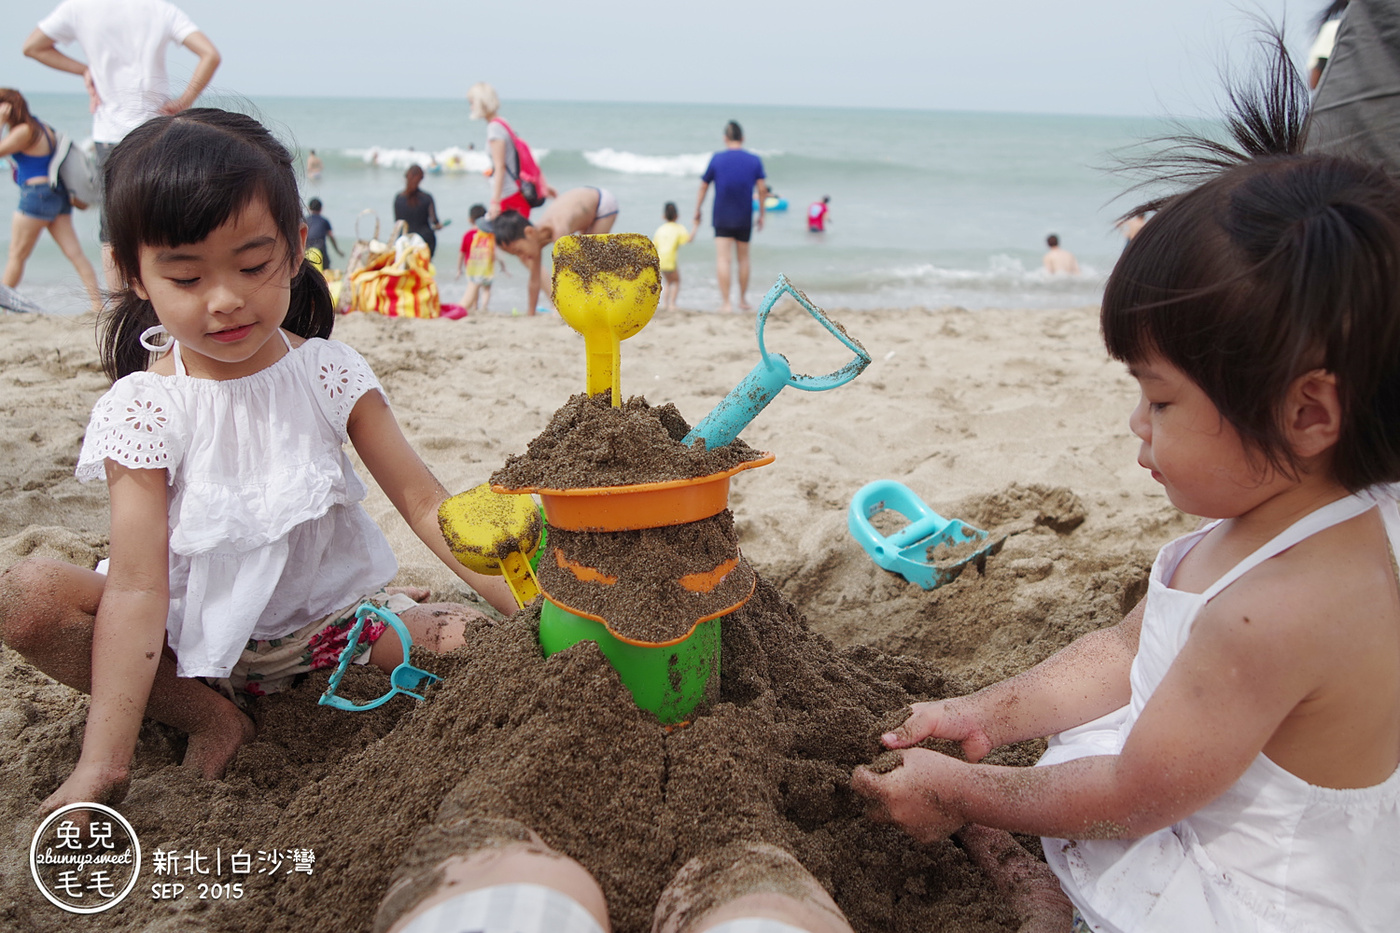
{"points": [[469, 296], [437, 627], [46, 614], [741, 881], [468, 855], [673, 287], [486, 297], [1027, 883]]}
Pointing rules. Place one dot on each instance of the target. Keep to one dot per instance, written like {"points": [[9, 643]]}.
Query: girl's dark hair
{"points": [[174, 180], [670, 212], [1275, 264]]}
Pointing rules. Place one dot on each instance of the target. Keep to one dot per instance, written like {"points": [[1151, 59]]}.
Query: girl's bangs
{"points": [[190, 199]]}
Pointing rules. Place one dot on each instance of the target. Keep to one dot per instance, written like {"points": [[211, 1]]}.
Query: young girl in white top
{"points": [[239, 547], [1226, 756]]}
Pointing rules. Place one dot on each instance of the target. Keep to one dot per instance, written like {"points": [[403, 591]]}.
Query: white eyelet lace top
{"points": [[267, 533]]}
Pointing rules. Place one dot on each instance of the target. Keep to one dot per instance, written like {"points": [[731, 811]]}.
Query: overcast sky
{"points": [[1130, 57]]}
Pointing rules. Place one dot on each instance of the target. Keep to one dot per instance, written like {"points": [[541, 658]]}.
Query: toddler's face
{"points": [[225, 297], [1197, 456]]}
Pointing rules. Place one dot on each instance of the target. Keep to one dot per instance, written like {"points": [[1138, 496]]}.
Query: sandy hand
{"points": [[908, 796], [941, 719]]}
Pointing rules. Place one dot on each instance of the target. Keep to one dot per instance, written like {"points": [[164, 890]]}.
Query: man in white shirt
{"points": [[124, 42]]}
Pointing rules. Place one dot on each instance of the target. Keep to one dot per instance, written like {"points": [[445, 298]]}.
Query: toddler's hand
{"points": [[941, 719], [909, 795]]}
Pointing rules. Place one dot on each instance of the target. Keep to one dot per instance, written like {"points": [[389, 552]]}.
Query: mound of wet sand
{"points": [[558, 745]]}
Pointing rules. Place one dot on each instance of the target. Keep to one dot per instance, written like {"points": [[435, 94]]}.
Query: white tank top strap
{"points": [[285, 339], [1385, 498], [1333, 513]]}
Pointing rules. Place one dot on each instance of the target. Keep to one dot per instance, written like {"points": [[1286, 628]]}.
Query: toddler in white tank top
{"points": [[1225, 758]]}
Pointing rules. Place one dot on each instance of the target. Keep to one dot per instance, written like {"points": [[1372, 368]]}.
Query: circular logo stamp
{"points": [[85, 858]]}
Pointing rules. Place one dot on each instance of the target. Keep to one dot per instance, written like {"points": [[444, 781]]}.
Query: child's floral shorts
{"points": [[280, 663]]}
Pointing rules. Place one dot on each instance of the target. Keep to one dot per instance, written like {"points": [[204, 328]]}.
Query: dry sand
{"points": [[1012, 419]]}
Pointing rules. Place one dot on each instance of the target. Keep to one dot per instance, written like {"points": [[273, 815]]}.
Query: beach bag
{"points": [[530, 179], [364, 254], [71, 165], [400, 282]]}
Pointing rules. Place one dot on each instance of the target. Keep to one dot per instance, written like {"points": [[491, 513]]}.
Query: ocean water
{"points": [[927, 208]]}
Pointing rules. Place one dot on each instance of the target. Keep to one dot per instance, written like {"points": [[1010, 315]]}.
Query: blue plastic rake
{"points": [[766, 380], [405, 678]]}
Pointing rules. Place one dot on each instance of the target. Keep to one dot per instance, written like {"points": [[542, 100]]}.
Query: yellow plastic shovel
{"points": [[606, 287], [495, 534]]}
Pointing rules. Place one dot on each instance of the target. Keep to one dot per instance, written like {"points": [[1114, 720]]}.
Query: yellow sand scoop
{"points": [[495, 534], [606, 287]]}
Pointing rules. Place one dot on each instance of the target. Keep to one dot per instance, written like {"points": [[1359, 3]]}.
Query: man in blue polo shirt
{"points": [[735, 172]]}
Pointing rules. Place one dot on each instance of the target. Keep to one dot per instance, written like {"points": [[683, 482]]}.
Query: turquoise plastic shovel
{"points": [[766, 380]]}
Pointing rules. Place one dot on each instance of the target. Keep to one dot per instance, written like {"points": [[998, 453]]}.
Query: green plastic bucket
{"points": [[670, 681], [544, 540]]}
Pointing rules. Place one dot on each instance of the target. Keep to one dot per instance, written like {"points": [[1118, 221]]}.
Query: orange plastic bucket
{"points": [[644, 505]]}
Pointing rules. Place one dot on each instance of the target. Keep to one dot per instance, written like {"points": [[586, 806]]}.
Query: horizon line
{"points": [[215, 95]]}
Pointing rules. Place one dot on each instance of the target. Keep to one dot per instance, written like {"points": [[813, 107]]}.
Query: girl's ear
{"points": [[140, 290], [1313, 413], [301, 247]]}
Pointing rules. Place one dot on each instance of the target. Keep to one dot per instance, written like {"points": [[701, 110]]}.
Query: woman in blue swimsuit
{"points": [[42, 206], [29, 144]]}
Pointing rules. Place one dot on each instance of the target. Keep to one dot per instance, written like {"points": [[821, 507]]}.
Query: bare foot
{"points": [[744, 305], [88, 784], [743, 880], [1028, 884], [726, 309], [211, 749]]}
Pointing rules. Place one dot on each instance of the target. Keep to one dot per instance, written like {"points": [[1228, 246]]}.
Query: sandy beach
{"points": [[1008, 419]]}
